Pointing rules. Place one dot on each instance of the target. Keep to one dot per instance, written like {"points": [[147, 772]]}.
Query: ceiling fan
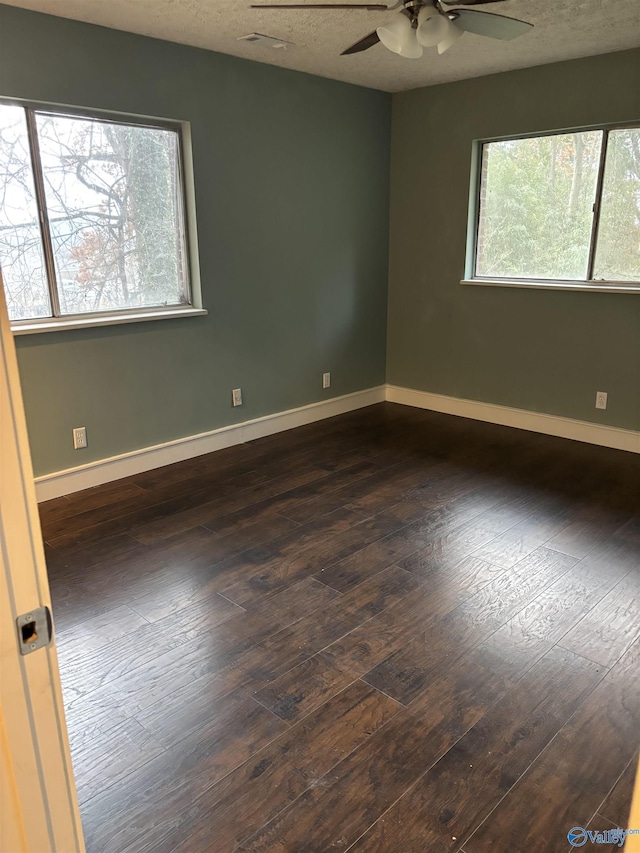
{"points": [[423, 23]]}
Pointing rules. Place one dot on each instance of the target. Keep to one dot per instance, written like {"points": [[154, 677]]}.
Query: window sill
{"points": [[58, 324], [591, 287]]}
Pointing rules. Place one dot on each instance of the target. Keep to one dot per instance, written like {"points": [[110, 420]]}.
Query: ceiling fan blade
{"points": [[489, 24], [370, 7], [363, 44]]}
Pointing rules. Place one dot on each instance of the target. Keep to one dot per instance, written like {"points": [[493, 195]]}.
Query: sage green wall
{"points": [[541, 351], [292, 196]]}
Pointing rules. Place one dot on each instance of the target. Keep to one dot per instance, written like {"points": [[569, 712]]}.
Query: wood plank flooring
{"points": [[389, 632]]}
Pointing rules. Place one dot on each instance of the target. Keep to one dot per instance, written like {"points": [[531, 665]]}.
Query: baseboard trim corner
{"points": [[102, 471], [590, 433]]}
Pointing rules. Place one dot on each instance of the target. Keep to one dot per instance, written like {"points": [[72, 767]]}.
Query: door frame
{"points": [[39, 805]]}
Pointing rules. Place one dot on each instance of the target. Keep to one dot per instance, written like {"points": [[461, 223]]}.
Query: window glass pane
{"points": [[536, 206], [21, 256], [113, 199], [618, 247]]}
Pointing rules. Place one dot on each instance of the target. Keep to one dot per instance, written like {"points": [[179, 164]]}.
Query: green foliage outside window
{"points": [[538, 200]]}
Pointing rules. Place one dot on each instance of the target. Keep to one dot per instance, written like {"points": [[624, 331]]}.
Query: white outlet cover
{"points": [[79, 438], [601, 399]]}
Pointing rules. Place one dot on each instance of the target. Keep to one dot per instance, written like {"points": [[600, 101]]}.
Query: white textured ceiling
{"points": [[564, 29]]}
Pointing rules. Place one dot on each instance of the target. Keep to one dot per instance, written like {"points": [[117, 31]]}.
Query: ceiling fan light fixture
{"points": [[399, 37], [395, 33], [411, 49], [432, 27], [451, 37]]}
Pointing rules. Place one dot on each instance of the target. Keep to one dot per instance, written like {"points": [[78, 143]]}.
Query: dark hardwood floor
{"points": [[389, 632]]}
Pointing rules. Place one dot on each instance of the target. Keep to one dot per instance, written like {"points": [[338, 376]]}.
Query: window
{"points": [[91, 216], [560, 208]]}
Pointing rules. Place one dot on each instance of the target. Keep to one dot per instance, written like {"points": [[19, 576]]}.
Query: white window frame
{"points": [[587, 284], [193, 307]]}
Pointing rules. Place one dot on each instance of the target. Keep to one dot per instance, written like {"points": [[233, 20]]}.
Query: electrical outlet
{"points": [[79, 438], [601, 399], [326, 380], [236, 397]]}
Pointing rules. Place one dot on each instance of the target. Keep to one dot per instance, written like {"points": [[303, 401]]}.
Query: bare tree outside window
{"points": [[21, 255], [111, 199]]}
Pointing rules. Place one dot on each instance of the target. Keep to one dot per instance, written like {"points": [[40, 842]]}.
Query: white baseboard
{"points": [[125, 464], [606, 436]]}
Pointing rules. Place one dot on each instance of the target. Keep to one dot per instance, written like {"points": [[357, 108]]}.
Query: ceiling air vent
{"points": [[266, 41]]}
